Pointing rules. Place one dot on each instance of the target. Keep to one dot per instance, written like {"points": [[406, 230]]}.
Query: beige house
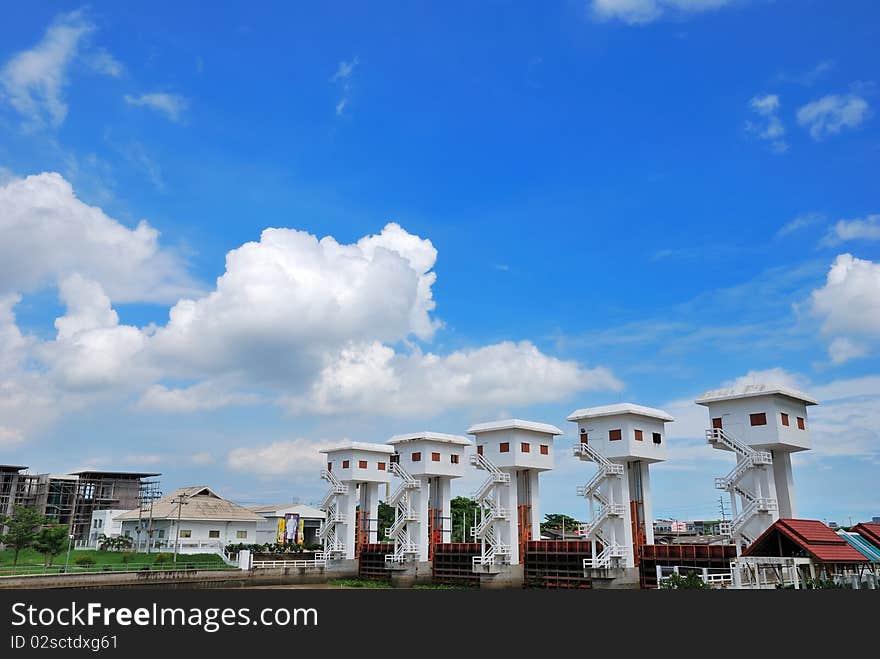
{"points": [[205, 522]]}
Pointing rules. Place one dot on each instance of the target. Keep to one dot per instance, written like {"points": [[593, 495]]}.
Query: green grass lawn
{"points": [[30, 562]]}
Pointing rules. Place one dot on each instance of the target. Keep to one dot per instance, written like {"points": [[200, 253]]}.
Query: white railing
{"points": [[605, 557], [318, 561], [492, 549], [404, 514], [748, 459], [333, 546]]}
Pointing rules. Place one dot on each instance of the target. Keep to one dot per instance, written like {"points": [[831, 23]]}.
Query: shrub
{"points": [[85, 561], [691, 581], [162, 557]]}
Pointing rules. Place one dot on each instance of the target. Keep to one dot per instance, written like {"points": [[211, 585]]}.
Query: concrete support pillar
{"points": [[444, 500], [419, 531], [348, 530], [369, 505], [782, 477], [535, 504], [648, 506], [510, 528], [623, 525]]}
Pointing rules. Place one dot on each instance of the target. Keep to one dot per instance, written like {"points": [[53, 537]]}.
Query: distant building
{"points": [[104, 524], [206, 522], [71, 499], [290, 522]]}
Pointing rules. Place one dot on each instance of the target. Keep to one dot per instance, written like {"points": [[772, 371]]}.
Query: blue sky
{"points": [[592, 202]]}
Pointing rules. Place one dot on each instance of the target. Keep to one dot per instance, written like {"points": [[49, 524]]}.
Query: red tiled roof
{"points": [[813, 537], [869, 531]]}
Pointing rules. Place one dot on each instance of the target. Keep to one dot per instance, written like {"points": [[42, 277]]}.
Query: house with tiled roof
{"points": [[805, 538], [869, 531]]}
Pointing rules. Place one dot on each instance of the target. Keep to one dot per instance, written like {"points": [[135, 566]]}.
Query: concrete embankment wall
{"points": [[277, 576]]}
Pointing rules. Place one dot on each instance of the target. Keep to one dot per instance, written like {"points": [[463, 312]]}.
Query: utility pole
{"points": [[721, 507], [180, 500]]}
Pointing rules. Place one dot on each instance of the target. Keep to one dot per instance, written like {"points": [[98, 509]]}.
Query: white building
{"points": [[288, 522], [425, 463], [104, 523], [762, 425], [512, 453], [355, 471], [197, 519], [623, 440]]}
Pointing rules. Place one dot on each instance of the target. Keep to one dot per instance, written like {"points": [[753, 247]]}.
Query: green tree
{"points": [[51, 540], [690, 581], [558, 521], [386, 519], [22, 528], [462, 510]]}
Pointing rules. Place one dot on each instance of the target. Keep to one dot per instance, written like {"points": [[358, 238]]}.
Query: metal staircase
{"points": [[334, 547], [404, 513], [487, 496], [749, 461], [611, 551]]}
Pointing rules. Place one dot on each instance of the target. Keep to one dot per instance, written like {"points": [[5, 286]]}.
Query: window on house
{"points": [[545, 449], [362, 464], [345, 464], [615, 434], [454, 458], [802, 424], [504, 447], [435, 457], [213, 534], [417, 457], [716, 423], [759, 419], [479, 450], [241, 534], [186, 533], [638, 435], [657, 438], [784, 418], [381, 466], [161, 533]]}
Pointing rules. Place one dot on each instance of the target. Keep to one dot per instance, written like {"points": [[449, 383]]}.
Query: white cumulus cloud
{"points": [[863, 228], [831, 114], [767, 125], [50, 234], [280, 458]]}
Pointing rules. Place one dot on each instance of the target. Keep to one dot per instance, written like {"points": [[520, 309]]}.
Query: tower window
{"points": [[329, 466], [759, 419], [345, 464], [381, 466], [525, 448], [802, 424], [784, 418], [615, 434], [480, 450], [504, 447], [454, 458], [545, 450], [417, 456], [657, 438], [435, 457], [362, 464], [717, 423], [638, 435]]}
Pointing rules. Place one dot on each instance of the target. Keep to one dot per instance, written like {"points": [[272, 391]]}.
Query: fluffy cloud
{"points": [[49, 234], [373, 378], [171, 105], [768, 126], [281, 458], [637, 12], [286, 301], [33, 80], [849, 302], [830, 114], [201, 397], [865, 228], [92, 350]]}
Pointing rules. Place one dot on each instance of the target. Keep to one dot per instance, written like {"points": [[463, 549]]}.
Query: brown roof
{"points": [[869, 531], [200, 503], [809, 536]]}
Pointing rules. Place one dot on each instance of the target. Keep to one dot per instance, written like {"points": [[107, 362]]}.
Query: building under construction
{"points": [[71, 499]]}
